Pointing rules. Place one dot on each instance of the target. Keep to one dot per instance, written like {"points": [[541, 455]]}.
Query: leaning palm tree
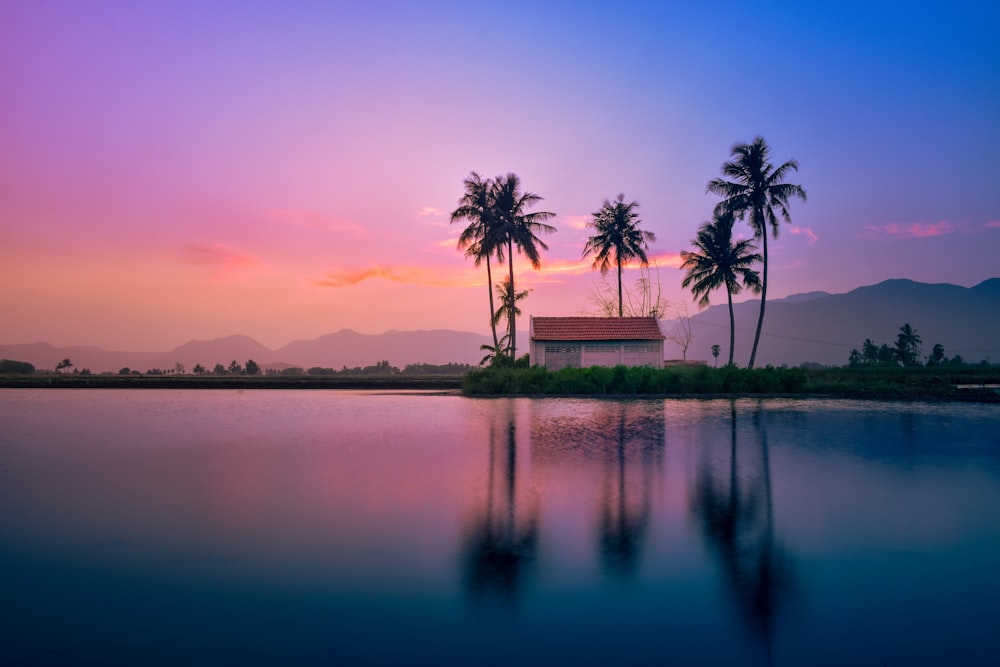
{"points": [[718, 262], [757, 191], [480, 239], [618, 238], [518, 228]]}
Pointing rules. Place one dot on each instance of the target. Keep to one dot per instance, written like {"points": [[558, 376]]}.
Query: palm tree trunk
{"points": [[732, 325], [763, 298], [489, 284], [513, 324], [619, 286]]}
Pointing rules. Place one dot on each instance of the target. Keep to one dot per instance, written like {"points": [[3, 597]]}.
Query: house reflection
{"points": [[501, 538], [731, 498]]}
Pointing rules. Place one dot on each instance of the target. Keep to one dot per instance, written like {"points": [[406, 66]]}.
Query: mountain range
{"points": [[824, 328], [811, 327]]}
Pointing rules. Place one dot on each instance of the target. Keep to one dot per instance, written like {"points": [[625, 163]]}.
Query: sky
{"points": [[183, 170]]}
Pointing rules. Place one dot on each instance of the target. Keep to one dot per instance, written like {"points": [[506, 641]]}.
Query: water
{"points": [[314, 527]]}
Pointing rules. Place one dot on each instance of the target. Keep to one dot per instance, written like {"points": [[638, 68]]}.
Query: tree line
{"points": [[904, 352]]}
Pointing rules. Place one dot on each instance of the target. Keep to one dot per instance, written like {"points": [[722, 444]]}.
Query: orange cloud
{"points": [[915, 230], [226, 262], [313, 220], [414, 275]]}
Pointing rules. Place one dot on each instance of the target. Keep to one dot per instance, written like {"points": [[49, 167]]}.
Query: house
{"points": [[558, 342]]}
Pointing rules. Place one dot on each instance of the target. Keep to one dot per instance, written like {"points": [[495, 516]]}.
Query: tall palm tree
{"points": [[480, 239], [757, 191], [718, 262], [618, 238], [518, 228]]}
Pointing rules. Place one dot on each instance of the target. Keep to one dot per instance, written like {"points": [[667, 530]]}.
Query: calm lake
{"points": [[339, 528]]}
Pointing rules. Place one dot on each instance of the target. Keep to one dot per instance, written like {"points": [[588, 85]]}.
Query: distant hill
{"points": [[823, 328], [344, 348], [812, 327]]}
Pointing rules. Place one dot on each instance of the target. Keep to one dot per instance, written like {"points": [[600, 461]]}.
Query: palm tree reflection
{"points": [[735, 513], [501, 540], [626, 492]]}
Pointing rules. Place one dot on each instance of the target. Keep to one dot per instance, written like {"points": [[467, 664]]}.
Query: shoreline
{"points": [[452, 385]]}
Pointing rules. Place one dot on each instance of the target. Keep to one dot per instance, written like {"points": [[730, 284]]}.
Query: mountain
{"points": [[811, 327], [824, 328], [344, 348]]}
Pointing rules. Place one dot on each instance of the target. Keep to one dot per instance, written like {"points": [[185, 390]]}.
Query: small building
{"points": [[578, 342]]}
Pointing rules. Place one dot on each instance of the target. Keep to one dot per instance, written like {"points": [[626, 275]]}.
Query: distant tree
{"points": [[757, 191], [937, 355], [618, 239], [85, 371], [680, 331], [854, 359], [957, 360], [235, 368], [869, 352], [715, 353], [179, 368], [219, 369], [717, 261], [293, 370], [908, 345], [16, 367], [252, 368], [65, 363], [198, 369], [887, 356], [125, 371]]}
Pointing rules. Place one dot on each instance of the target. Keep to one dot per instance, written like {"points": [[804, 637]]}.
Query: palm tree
{"points": [[718, 262], [508, 302], [479, 240], [908, 345], [518, 228], [618, 238], [757, 191]]}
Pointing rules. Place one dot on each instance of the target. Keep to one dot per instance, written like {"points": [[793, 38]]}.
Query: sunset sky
{"points": [[189, 169]]}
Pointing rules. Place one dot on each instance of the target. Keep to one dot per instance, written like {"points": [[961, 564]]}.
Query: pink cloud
{"points": [[805, 231], [913, 230], [992, 223], [226, 262], [313, 220], [576, 221]]}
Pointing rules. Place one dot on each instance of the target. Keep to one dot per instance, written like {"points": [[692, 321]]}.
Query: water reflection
{"points": [[625, 439], [732, 501], [501, 539]]}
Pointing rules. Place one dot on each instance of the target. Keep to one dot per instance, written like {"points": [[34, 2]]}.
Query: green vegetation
{"points": [[882, 383], [16, 367]]}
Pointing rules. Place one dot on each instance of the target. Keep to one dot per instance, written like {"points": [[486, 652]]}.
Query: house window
{"points": [[562, 349], [641, 348]]}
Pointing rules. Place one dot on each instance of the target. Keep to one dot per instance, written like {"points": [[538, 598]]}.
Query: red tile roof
{"points": [[595, 328]]}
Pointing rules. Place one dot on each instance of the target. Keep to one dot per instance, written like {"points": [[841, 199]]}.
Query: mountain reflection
{"points": [[732, 500], [500, 541]]}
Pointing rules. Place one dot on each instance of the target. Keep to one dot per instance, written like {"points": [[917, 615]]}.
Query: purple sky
{"points": [[178, 170]]}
